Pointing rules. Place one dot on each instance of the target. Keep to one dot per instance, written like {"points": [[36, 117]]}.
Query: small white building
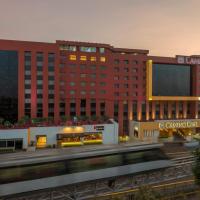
{"points": [[59, 136]]}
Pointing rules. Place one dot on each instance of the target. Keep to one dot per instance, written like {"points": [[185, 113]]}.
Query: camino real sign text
{"points": [[178, 124], [191, 60]]}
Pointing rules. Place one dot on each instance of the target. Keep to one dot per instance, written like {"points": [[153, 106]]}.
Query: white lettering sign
{"points": [[188, 60], [178, 124]]}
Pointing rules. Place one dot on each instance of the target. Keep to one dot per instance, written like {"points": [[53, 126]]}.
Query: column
{"points": [[56, 91], [33, 86], [130, 110], [161, 110], [45, 86], [110, 109], [177, 110], [169, 109], [88, 109], [185, 109], [78, 110], [153, 110], [139, 110], [147, 110], [120, 117], [21, 90]]}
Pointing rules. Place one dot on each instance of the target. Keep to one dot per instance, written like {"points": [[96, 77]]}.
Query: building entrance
{"points": [[181, 134]]}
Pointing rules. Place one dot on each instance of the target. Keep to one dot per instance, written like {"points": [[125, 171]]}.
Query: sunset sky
{"points": [[165, 27]]}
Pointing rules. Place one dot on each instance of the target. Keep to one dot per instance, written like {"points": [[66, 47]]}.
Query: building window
{"points": [[126, 61], [135, 86], [93, 58], [102, 84], [102, 75], [103, 67], [88, 49], [39, 86], [83, 92], [125, 85], [101, 50], [83, 83], [72, 75], [102, 59], [102, 92], [116, 61], [135, 62], [72, 66], [116, 77], [93, 67], [67, 47], [93, 75], [126, 78], [135, 78], [135, 94], [92, 84], [82, 67], [83, 58], [134, 70], [72, 83], [72, 92], [116, 85], [116, 69], [126, 69], [83, 75], [72, 57], [92, 92]]}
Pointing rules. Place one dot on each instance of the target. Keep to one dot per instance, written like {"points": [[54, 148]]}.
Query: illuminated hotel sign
{"points": [[178, 124], [191, 60]]}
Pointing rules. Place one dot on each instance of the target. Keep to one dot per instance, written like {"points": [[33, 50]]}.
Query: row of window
{"points": [[83, 67], [85, 58], [135, 62], [83, 92], [93, 92], [64, 47], [83, 83]]}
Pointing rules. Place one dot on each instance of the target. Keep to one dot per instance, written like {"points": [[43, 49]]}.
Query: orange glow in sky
{"points": [[165, 27]]}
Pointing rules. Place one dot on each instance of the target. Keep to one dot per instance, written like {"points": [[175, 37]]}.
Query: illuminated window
{"points": [[93, 58], [72, 57], [64, 47], [88, 49], [102, 50], [84, 58], [102, 59]]}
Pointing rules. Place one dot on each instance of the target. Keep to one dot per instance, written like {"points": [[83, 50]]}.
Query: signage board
{"points": [[178, 124], [99, 128], [190, 60]]}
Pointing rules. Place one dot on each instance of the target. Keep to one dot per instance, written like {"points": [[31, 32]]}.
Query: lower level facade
{"points": [[68, 79]]}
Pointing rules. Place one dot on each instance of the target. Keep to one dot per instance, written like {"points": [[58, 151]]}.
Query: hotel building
{"points": [[68, 78]]}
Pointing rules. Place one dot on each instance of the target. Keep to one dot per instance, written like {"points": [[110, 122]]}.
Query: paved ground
{"points": [[45, 154]]}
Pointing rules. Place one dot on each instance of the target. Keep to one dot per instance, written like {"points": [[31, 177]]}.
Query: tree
{"points": [[7, 124], [196, 167], [1, 120]]}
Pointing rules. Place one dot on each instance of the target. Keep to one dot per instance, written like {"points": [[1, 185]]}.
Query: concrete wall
{"points": [[110, 133], [15, 134]]}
